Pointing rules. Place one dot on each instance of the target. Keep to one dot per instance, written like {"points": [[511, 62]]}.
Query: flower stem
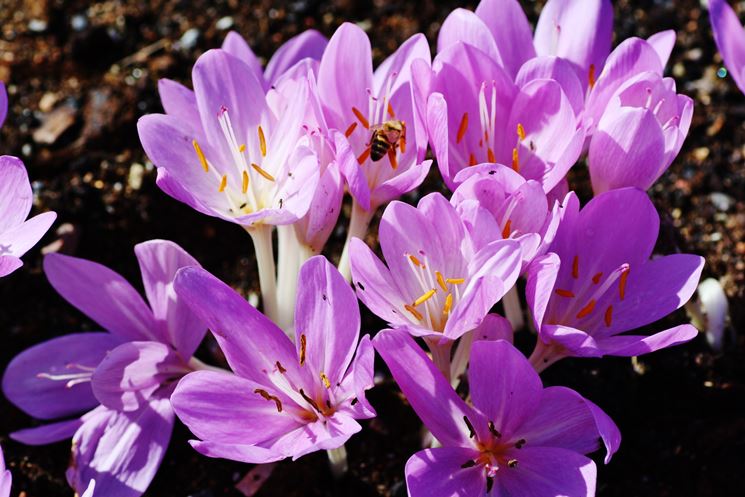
{"points": [[359, 222], [513, 309], [460, 358], [545, 355], [441, 354], [262, 238], [338, 461], [287, 272]]}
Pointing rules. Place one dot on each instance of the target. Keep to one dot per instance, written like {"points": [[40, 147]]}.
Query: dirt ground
{"points": [[81, 74]]}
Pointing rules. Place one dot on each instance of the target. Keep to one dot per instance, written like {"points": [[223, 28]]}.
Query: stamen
{"points": [[392, 158], [262, 142], [489, 484], [448, 304], [456, 281], [200, 154], [622, 283], [608, 316], [268, 396], [493, 430], [471, 160], [280, 368], [515, 160], [519, 444], [490, 155], [361, 118], [575, 267], [462, 128], [564, 293], [586, 310], [223, 183], [507, 229], [245, 182], [303, 347], [364, 156], [596, 278], [468, 464], [242, 148], [512, 463], [390, 111], [520, 131], [262, 172], [350, 129], [415, 261], [441, 281], [309, 400], [471, 431], [417, 314], [325, 380], [591, 76], [425, 297]]}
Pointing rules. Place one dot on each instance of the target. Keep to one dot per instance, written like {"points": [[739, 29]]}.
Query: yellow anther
{"points": [[245, 182], [490, 155], [390, 111], [462, 128], [520, 131], [586, 310], [262, 142], [416, 261], [262, 172], [448, 304], [200, 154], [515, 160], [428, 295], [242, 148], [223, 183], [441, 281], [507, 229], [456, 281], [303, 347], [325, 380], [361, 118], [414, 312], [564, 293], [609, 315]]}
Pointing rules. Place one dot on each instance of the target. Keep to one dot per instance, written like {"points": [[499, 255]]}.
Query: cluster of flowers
{"points": [[279, 147]]}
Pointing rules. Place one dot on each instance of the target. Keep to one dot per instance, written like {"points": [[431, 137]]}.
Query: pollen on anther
{"points": [[490, 155], [462, 128], [471, 160], [575, 267], [414, 312], [325, 380], [456, 281], [350, 129], [586, 310], [245, 182], [416, 261], [363, 156], [427, 295], [262, 142], [303, 347], [520, 131], [448, 304], [608, 315], [223, 183], [390, 111], [596, 278], [507, 229], [622, 284], [361, 118], [591, 76], [515, 160], [262, 172], [441, 281], [564, 293], [200, 155], [242, 148]]}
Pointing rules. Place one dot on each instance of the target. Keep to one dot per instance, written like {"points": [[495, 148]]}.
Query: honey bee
{"points": [[385, 138]]}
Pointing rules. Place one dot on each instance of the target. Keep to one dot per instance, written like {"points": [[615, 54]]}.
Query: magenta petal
{"points": [[633, 345], [223, 408], [102, 295], [48, 433], [159, 261], [121, 451], [20, 239], [5, 477], [424, 386], [237, 452], [627, 149], [251, 342], [3, 103], [401, 183], [730, 38], [494, 327], [576, 342], [308, 44], [328, 315], [15, 192], [466, 27], [548, 471], [8, 264], [541, 278], [558, 69], [663, 43], [236, 45], [129, 375], [511, 31], [503, 385], [440, 473], [566, 420], [71, 359], [179, 101], [360, 378]]}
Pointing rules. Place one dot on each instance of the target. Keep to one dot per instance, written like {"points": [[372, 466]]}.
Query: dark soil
{"points": [[81, 74]]}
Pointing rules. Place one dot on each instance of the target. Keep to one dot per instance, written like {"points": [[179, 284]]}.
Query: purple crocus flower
{"points": [[496, 202], [578, 32], [730, 38], [309, 44], [221, 150], [476, 114], [17, 235], [599, 282], [639, 133], [436, 284], [517, 438], [5, 477], [130, 369], [358, 101], [285, 399]]}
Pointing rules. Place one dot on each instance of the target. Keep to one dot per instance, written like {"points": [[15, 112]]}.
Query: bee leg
{"points": [[392, 157], [364, 155]]}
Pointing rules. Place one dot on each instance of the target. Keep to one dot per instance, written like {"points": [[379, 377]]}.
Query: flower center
{"points": [[494, 453]]}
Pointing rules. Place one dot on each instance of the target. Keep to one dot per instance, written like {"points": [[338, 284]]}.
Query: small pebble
{"points": [[189, 39], [37, 25], [224, 23]]}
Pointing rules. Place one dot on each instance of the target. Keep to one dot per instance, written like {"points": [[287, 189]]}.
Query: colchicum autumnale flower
{"points": [[598, 281], [730, 38], [130, 369], [517, 438], [285, 399]]}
